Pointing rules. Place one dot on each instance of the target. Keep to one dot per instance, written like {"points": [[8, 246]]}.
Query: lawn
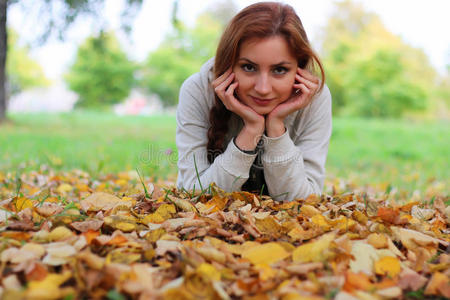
{"points": [[399, 154]]}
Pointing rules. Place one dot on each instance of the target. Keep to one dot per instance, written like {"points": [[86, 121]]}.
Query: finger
{"points": [[308, 83], [221, 87], [228, 98], [221, 78], [305, 91], [307, 75], [230, 90]]}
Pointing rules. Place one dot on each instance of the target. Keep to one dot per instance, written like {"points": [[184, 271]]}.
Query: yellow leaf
{"points": [[182, 204], [22, 203], [309, 210], [314, 251], [155, 235], [343, 223], [208, 272], [321, 222], [388, 265], [217, 202], [166, 211], [121, 257], [64, 188], [125, 227], [121, 182], [49, 287], [153, 218], [60, 233], [269, 226], [265, 271], [378, 240], [268, 253], [297, 234], [123, 223], [82, 187]]}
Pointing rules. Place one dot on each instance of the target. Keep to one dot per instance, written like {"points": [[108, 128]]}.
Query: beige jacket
{"points": [[294, 163]]}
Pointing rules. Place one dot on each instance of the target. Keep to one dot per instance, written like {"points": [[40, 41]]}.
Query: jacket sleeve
{"points": [[295, 168], [229, 170]]}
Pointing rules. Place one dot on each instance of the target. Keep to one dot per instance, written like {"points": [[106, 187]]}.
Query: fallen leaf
{"points": [[387, 265], [49, 287], [100, 201], [364, 257], [87, 225], [267, 253], [439, 284], [22, 203], [314, 251]]}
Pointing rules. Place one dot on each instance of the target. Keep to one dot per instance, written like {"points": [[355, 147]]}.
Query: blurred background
{"points": [[93, 85]]}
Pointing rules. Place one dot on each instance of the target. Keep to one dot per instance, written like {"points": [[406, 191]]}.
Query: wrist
{"points": [[248, 138], [275, 128]]}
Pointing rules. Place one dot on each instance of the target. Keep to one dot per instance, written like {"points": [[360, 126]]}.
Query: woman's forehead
{"points": [[273, 49]]}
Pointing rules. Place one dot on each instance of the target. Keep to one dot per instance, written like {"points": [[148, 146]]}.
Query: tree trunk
{"points": [[3, 49]]}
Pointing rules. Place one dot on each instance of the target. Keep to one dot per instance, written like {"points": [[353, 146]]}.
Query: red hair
{"points": [[259, 20]]}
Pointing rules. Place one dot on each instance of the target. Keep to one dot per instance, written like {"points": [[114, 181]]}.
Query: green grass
{"points": [[408, 155], [91, 141]]}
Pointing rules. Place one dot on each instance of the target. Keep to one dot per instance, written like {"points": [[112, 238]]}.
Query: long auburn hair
{"points": [[259, 20]]}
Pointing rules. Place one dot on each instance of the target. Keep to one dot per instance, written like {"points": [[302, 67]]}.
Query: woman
{"points": [[255, 118]]}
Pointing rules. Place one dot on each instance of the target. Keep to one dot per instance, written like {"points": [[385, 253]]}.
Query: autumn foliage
{"points": [[70, 236]]}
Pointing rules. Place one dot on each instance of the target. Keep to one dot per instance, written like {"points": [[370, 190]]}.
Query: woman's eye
{"points": [[280, 70], [248, 67]]}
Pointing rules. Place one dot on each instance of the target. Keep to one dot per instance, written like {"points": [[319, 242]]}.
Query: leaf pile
{"points": [[69, 236]]}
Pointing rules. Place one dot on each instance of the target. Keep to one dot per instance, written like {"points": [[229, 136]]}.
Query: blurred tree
{"points": [[370, 71], [101, 74], [55, 17], [183, 51], [21, 70]]}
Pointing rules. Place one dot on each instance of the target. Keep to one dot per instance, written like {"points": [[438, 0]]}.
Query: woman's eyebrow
{"points": [[274, 65]]}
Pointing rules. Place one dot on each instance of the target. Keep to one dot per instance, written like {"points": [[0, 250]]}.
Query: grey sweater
{"points": [[293, 164]]}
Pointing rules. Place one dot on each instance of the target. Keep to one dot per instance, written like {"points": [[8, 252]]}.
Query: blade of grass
{"points": [[147, 195], [198, 176]]}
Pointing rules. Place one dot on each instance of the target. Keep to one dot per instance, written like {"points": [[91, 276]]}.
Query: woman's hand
{"points": [[306, 87], [224, 88]]}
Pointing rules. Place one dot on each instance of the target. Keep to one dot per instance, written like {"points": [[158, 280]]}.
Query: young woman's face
{"points": [[266, 72]]}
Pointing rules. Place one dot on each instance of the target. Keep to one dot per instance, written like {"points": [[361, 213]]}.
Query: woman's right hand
{"points": [[224, 88]]}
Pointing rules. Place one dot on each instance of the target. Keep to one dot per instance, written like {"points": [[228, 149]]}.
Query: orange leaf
{"points": [[357, 281], [90, 235], [117, 240], [438, 285], [387, 214]]}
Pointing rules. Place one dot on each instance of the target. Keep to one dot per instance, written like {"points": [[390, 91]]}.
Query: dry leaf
{"points": [[268, 253], [388, 265], [100, 201], [314, 251]]}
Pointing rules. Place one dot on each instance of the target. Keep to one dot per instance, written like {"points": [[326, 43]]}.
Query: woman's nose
{"points": [[262, 85]]}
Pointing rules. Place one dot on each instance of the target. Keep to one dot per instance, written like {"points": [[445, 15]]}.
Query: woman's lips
{"points": [[260, 101]]}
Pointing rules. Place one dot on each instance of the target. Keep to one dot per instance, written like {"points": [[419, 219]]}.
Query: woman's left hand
{"points": [[306, 86]]}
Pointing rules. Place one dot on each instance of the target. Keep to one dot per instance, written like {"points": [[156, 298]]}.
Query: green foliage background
{"points": [[180, 55], [370, 71], [102, 74], [22, 71]]}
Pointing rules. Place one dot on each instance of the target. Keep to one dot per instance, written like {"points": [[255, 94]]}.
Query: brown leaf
{"points": [[88, 225]]}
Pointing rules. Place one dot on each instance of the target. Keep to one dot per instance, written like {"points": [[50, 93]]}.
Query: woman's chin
{"points": [[263, 110]]}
